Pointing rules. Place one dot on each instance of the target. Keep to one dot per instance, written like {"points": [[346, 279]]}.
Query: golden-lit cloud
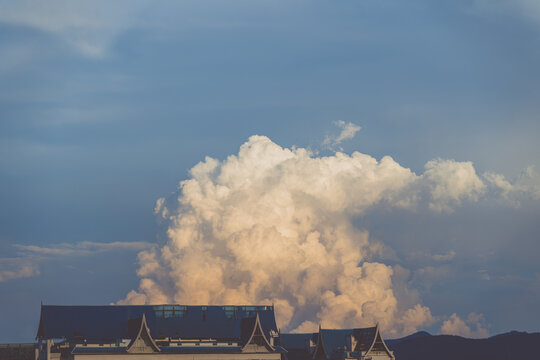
{"points": [[275, 225]]}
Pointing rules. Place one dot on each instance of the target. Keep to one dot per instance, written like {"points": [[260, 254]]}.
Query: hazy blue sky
{"points": [[105, 107]]}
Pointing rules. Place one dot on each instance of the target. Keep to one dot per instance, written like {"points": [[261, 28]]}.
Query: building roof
{"points": [[298, 345], [95, 323], [297, 341], [335, 341], [333, 344], [350, 343]]}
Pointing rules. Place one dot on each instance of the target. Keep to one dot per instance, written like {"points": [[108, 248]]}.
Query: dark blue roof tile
{"points": [[96, 323]]}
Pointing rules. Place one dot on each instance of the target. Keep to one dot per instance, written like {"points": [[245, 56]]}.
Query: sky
{"points": [[349, 161]]}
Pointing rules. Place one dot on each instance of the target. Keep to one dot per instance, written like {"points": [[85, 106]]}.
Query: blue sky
{"points": [[105, 108]]}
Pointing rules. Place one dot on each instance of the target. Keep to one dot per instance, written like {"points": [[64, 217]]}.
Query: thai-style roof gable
{"points": [[378, 344], [364, 338], [142, 342], [320, 349], [253, 338], [100, 323]]}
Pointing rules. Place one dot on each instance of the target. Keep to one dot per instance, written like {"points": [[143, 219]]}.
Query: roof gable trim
{"points": [[320, 346], [257, 330], [143, 341], [375, 338], [41, 327]]}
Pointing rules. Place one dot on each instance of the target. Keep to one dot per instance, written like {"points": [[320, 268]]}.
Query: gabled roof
{"points": [[96, 323], [142, 341], [365, 337], [378, 344], [252, 332], [341, 343], [334, 341], [298, 340], [320, 349]]}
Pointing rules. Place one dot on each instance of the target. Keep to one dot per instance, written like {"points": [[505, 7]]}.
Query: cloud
{"points": [[276, 225], [449, 182], [415, 318], [484, 274], [88, 27], [348, 131], [471, 328], [428, 276], [525, 186], [444, 257], [15, 268], [31, 256], [83, 248], [527, 9]]}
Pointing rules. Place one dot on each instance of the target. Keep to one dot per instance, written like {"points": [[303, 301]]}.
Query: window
{"points": [[170, 311], [230, 312]]}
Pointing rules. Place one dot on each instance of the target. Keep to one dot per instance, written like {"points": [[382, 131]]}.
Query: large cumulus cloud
{"points": [[276, 225]]}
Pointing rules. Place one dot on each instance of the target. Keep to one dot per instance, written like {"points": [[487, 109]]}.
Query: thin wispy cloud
{"points": [[16, 268], [82, 248], [31, 256], [89, 27], [527, 9], [444, 257]]}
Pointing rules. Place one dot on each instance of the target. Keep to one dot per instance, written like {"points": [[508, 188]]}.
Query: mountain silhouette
{"points": [[507, 346]]}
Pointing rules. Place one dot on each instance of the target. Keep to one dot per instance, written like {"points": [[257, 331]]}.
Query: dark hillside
{"points": [[509, 346]]}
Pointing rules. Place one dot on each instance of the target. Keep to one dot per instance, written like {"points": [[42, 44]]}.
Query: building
{"points": [[343, 344], [167, 332], [179, 332]]}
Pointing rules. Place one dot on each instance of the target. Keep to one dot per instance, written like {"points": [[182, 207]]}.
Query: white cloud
{"points": [[449, 182], [348, 131], [275, 225], [415, 318], [15, 268], [526, 185], [473, 327]]}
